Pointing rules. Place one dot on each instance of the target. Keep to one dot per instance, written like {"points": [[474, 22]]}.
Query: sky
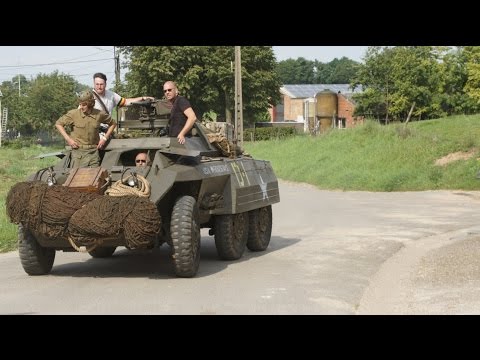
{"points": [[320, 53], [82, 62]]}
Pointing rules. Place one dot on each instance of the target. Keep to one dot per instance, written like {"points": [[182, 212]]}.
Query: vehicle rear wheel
{"points": [[35, 259], [260, 228], [185, 235], [231, 234], [102, 252]]}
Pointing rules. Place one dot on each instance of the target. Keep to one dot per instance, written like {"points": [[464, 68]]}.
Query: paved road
{"points": [[330, 253]]}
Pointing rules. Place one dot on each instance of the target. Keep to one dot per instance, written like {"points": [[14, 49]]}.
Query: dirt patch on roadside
{"points": [[459, 155]]}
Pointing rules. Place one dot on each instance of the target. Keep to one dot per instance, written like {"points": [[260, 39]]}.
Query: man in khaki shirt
{"points": [[84, 139]]}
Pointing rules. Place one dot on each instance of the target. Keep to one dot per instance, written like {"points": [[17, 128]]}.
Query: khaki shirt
{"points": [[85, 127]]}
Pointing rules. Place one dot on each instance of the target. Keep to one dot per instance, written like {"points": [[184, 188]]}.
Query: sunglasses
{"points": [[167, 90], [140, 161]]}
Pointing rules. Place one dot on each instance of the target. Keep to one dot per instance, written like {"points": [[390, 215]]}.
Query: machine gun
{"points": [[147, 117]]}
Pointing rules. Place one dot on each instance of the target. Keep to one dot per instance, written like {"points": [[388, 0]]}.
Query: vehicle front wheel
{"points": [[185, 235], [35, 259]]}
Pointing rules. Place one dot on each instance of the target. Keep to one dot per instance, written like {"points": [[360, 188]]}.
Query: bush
{"points": [[24, 142], [268, 133]]}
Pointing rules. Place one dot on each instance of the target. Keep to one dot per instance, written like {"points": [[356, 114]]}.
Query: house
{"points": [[318, 106]]}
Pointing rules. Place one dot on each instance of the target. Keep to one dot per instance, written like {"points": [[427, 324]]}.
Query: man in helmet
{"points": [[83, 138]]}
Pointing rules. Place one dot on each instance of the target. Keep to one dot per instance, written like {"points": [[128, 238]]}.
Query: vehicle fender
{"points": [[160, 184]]}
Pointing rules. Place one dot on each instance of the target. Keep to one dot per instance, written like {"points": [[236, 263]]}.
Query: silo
{"points": [[309, 114], [327, 104]]}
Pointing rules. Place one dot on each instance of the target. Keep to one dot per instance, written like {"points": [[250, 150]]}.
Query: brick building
{"points": [[301, 103]]}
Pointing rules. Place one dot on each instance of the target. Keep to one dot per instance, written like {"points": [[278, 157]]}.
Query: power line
{"points": [[86, 56], [82, 68], [48, 64], [69, 71], [74, 66]]}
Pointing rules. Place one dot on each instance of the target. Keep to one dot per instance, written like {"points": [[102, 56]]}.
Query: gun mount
{"points": [[145, 118]]}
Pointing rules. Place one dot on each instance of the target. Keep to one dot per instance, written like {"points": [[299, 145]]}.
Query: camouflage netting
{"points": [[222, 144], [58, 212], [44, 210], [108, 217]]}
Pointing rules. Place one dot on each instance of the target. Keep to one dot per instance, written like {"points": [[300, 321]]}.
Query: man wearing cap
{"points": [[83, 139]]}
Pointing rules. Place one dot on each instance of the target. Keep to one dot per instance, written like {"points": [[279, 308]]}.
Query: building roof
{"points": [[309, 90]]}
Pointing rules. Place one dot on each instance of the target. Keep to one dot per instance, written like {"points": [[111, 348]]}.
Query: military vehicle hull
{"points": [[193, 186]]}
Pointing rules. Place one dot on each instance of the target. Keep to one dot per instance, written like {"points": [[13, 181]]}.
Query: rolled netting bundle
{"points": [[99, 218], [34, 205], [142, 225], [56, 211], [44, 209], [17, 199], [59, 204], [136, 219]]}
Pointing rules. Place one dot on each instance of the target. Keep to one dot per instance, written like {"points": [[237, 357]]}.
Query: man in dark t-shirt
{"points": [[182, 117]]}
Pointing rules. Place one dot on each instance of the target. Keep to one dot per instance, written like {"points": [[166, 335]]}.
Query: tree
{"points": [[398, 76], [204, 74], [471, 56], [337, 71], [50, 97], [453, 97], [375, 75], [299, 71], [15, 101], [41, 102]]}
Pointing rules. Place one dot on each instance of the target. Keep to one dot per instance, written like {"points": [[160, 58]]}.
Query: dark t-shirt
{"points": [[177, 116]]}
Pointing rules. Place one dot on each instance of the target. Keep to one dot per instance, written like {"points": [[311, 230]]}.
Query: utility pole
{"points": [[238, 98], [18, 85], [116, 57]]}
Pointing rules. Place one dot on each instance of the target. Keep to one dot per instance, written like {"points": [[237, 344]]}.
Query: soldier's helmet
{"points": [[87, 96]]}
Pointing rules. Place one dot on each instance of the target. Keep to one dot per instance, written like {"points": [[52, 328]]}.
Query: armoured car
{"points": [[207, 182]]}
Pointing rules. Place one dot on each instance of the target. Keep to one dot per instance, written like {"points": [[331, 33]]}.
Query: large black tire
{"points": [[260, 228], [102, 252], [35, 259], [185, 234], [231, 234]]}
